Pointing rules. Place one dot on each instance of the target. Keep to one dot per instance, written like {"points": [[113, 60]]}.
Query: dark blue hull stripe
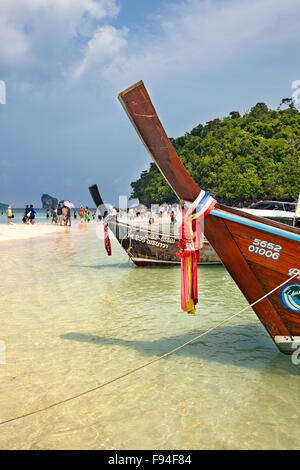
{"points": [[258, 225]]}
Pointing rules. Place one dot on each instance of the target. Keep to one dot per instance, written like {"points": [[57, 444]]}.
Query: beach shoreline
{"points": [[16, 232], [20, 231]]}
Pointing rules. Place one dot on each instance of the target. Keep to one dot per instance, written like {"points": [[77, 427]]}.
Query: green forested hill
{"points": [[255, 156]]}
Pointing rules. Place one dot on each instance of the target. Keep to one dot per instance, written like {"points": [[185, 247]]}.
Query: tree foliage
{"points": [[255, 156]]}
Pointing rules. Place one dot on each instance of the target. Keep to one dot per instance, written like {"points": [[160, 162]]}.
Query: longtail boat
{"points": [[147, 246], [259, 254], [284, 212]]}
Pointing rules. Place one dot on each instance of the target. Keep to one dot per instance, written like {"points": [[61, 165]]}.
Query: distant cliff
{"points": [[48, 201], [3, 206]]}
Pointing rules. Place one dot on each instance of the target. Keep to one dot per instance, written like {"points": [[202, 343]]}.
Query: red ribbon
{"points": [[189, 286], [107, 240]]}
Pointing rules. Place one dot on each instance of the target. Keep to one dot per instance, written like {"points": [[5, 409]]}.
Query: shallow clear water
{"points": [[73, 318]]}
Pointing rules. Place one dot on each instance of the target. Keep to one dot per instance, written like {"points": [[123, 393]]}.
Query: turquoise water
{"points": [[73, 318]]}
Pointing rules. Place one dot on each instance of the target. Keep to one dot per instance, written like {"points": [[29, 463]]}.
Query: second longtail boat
{"points": [[259, 254], [147, 245]]}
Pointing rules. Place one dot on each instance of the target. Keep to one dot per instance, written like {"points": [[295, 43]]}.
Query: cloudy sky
{"points": [[65, 61]]}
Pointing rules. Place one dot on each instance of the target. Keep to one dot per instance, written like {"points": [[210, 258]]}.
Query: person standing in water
{"points": [[68, 216], [31, 214], [64, 213], [9, 215], [81, 214], [173, 217], [54, 215], [59, 214], [25, 219], [87, 214]]}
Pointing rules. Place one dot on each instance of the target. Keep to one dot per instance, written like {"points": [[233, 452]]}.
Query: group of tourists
{"points": [[62, 215], [29, 215], [84, 214]]}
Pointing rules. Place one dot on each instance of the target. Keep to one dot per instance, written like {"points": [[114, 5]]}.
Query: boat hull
{"points": [[261, 258], [284, 217], [146, 247]]}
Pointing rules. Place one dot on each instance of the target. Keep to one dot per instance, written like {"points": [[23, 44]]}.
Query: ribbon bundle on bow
{"points": [[106, 239], [190, 244]]}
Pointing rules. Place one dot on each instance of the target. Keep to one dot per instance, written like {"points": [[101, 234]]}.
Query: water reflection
{"points": [[242, 346]]}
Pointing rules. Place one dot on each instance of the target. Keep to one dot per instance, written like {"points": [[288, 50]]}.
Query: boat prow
{"points": [[259, 254]]}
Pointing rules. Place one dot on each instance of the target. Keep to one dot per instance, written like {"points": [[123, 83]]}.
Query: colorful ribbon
{"points": [[190, 244]]}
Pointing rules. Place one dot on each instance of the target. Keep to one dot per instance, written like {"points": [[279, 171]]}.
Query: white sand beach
{"points": [[23, 231]]}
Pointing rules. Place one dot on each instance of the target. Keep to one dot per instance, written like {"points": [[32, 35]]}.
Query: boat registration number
{"points": [[265, 248], [294, 271]]}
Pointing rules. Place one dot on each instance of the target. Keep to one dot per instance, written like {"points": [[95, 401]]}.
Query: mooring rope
{"points": [[65, 400]]}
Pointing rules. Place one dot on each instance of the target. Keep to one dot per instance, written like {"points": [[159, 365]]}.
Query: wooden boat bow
{"points": [[143, 116], [238, 238]]}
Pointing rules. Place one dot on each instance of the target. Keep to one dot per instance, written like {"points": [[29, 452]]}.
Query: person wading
{"points": [[59, 214]]}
